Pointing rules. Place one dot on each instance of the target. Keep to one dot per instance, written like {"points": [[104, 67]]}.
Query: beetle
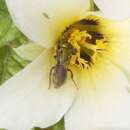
{"points": [[58, 73]]}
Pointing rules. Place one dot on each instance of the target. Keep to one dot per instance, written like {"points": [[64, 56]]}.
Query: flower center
{"points": [[81, 44]]}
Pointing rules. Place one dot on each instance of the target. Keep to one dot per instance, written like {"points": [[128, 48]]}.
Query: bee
{"points": [[59, 72]]}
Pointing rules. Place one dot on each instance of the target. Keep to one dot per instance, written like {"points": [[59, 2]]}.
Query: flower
{"points": [[97, 56]]}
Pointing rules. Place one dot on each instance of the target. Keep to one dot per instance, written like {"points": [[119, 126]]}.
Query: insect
{"points": [[58, 73]]}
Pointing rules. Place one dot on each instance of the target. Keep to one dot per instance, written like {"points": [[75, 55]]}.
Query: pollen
{"points": [[83, 43], [78, 37]]}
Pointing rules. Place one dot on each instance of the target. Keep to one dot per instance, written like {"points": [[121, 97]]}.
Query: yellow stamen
{"points": [[78, 39]]}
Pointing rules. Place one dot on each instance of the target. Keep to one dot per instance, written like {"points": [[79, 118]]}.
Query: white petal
{"points": [[114, 9], [43, 20], [102, 103], [29, 51], [119, 53], [26, 101]]}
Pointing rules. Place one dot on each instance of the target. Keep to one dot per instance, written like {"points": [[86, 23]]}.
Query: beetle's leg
{"points": [[50, 76], [72, 77]]}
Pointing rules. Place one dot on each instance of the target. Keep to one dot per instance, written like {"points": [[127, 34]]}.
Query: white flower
{"points": [[102, 100], [114, 9]]}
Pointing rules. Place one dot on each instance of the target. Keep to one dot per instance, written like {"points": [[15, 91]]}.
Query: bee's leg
{"points": [[50, 76], [72, 77]]}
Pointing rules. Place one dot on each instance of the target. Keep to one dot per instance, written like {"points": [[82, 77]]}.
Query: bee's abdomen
{"points": [[59, 75]]}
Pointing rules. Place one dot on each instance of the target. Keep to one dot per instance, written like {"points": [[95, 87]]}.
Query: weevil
{"points": [[58, 73]]}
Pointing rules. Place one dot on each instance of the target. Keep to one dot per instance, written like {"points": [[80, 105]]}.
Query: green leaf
{"points": [[93, 6], [10, 37], [58, 126], [3, 6], [10, 63], [8, 31], [12, 34]]}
